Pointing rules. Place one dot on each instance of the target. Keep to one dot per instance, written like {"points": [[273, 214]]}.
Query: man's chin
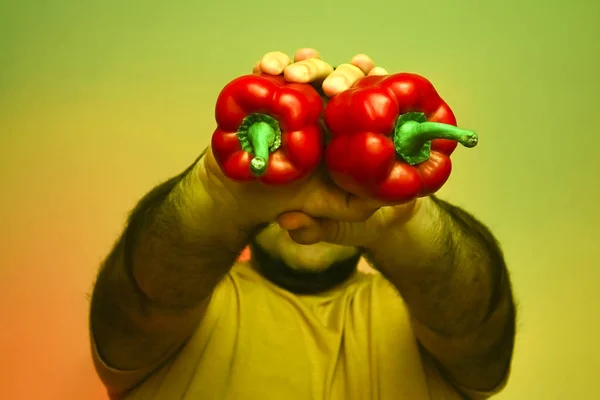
{"points": [[315, 257], [307, 269]]}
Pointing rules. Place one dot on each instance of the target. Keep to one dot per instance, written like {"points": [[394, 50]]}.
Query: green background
{"points": [[99, 101]]}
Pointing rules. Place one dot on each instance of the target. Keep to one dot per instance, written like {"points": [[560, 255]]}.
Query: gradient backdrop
{"points": [[100, 101]]}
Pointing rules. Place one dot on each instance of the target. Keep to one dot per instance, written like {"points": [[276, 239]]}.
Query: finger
{"points": [[331, 231], [342, 79], [301, 228], [306, 53], [364, 62], [274, 62], [333, 203], [306, 236], [309, 70], [294, 220], [378, 71]]}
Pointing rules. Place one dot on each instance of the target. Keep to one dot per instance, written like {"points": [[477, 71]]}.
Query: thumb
{"points": [[302, 228], [306, 230]]}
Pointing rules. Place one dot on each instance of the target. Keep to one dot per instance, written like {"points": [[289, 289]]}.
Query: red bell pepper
{"points": [[392, 137], [268, 130]]}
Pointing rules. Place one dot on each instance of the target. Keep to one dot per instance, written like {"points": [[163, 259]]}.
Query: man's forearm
{"points": [[179, 243], [451, 273], [150, 290]]}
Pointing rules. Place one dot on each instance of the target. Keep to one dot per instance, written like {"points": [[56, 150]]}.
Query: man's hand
{"points": [[253, 203], [315, 196], [308, 67], [307, 228]]}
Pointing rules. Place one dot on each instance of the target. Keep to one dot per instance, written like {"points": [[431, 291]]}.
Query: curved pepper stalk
{"points": [[413, 135], [392, 137], [268, 130]]}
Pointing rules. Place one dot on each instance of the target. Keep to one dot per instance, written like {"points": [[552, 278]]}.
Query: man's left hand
{"points": [[308, 67]]}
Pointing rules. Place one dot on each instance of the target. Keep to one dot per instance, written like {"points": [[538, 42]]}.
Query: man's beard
{"points": [[302, 281]]}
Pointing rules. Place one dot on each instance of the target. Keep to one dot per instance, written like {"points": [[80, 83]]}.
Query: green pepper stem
{"points": [[413, 135], [261, 135]]}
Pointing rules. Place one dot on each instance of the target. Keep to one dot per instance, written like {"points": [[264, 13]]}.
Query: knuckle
{"points": [[313, 205], [315, 65], [349, 71], [335, 232], [309, 64], [320, 206]]}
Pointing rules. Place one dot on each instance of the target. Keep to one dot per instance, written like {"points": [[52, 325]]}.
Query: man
{"points": [[173, 316]]}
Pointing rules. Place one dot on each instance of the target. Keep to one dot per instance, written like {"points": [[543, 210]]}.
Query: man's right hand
{"points": [[254, 203]]}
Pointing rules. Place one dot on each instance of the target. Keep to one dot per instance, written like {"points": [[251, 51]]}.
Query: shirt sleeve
{"points": [[119, 382], [441, 386], [473, 394]]}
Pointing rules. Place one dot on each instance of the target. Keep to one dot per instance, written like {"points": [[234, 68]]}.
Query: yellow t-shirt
{"points": [[260, 342]]}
